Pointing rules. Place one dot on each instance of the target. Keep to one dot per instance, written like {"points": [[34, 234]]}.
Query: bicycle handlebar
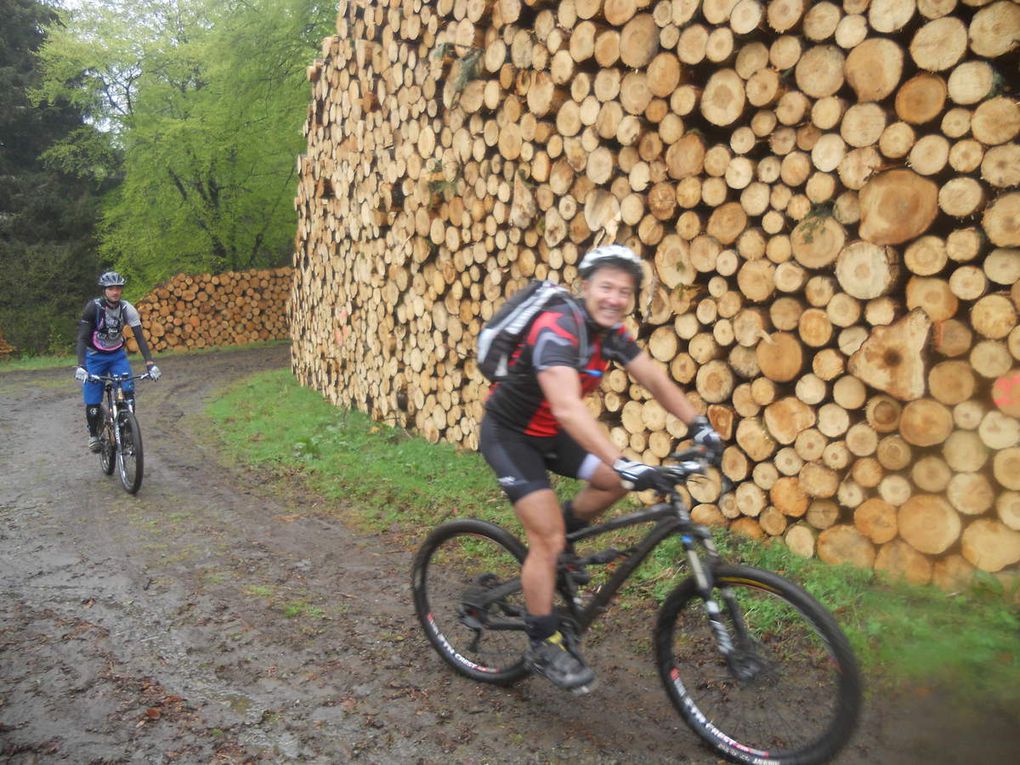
{"points": [[116, 378], [689, 462]]}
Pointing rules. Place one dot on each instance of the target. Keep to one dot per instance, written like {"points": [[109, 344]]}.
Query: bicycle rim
{"points": [[107, 449], [799, 699], [455, 566], [129, 456]]}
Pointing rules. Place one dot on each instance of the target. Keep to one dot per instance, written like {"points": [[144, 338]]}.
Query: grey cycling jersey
{"points": [[102, 326], [108, 323]]}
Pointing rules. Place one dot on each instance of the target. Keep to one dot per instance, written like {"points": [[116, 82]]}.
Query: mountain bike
{"points": [[755, 665], [120, 438]]}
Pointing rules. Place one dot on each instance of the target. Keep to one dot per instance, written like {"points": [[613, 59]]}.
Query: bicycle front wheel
{"points": [[454, 575], [789, 693], [107, 445], [129, 456]]}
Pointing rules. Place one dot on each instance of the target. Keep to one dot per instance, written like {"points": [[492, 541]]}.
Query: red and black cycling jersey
{"points": [[553, 340]]}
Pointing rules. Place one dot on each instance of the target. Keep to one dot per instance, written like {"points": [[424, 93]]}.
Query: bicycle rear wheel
{"points": [[107, 445], [459, 563], [790, 694], [129, 456]]}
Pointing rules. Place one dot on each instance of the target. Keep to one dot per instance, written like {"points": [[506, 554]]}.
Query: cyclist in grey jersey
{"points": [[100, 347]]}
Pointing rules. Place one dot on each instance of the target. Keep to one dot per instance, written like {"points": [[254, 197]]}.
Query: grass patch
{"points": [[391, 477], [391, 480], [31, 363]]}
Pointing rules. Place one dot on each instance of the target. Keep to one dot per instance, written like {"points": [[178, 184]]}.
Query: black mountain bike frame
{"points": [[671, 517]]}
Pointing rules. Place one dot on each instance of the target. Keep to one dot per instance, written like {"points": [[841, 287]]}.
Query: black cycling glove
{"points": [[636, 476], [704, 434]]}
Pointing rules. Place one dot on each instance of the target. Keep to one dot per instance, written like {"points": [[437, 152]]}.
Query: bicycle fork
{"points": [[744, 666]]}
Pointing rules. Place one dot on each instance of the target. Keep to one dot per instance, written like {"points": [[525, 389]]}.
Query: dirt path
{"points": [[213, 618]]}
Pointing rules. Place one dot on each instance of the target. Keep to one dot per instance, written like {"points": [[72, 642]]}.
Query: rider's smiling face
{"points": [[608, 295]]}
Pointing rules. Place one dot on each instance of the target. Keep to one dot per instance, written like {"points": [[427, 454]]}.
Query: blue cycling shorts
{"points": [[97, 363]]}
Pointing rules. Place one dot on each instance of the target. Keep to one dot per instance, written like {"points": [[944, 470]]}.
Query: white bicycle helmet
{"points": [[616, 255], [111, 279]]}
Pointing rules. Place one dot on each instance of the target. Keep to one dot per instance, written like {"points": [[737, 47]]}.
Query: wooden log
{"points": [[1007, 506], [992, 31], [754, 439], [891, 359], [929, 523], [1006, 468], [780, 357], [873, 68], [901, 561], [952, 573], [819, 72], [961, 197], [925, 422], [786, 418], [990, 358], [971, 82], [800, 539], [952, 338], [931, 474], [939, 44], [1000, 165], [890, 15], [921, 98], [993, 316], [783, 15], [999, 431], [990, 545], [970, 493], [723, 99], [844, 544], [818, 481], [822, 513], [933, 296], [897, 206]]}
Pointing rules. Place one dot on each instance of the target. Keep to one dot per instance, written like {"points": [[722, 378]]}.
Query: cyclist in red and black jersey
{"points": [[536, 421]]}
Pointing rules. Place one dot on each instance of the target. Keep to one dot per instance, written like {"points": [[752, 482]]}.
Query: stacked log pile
{"points": [[825, 195], [212, 310], [6, 349]]}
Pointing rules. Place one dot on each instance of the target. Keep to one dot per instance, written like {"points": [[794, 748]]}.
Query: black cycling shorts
{"points": [[521, 461]]}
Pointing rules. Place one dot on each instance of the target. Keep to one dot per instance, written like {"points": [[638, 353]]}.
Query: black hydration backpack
{"points": [[502, 334]]}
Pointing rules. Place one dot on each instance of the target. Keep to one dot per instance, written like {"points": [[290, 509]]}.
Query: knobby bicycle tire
{"points": [[459, 560], [129, 455], [800, 700], [107, 445]]}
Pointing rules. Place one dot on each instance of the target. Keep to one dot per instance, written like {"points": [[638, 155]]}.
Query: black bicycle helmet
{"points": [[111, 279], [616, 255]]}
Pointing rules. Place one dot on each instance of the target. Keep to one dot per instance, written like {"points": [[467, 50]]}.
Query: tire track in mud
{"points": [[218, 617]]}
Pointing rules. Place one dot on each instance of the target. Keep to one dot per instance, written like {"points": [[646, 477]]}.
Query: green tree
{"points": [[206, 100], [48, 254]]}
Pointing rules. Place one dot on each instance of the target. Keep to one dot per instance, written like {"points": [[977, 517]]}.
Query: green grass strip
{"points": [[393, 480]]}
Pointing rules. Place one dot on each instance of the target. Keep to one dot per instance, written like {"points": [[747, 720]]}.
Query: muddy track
{"points": [[219, 618]]}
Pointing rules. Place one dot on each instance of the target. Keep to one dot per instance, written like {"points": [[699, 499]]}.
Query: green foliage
{"points": [[47, 247], [205, 99], [393, 477], [902, 633]]}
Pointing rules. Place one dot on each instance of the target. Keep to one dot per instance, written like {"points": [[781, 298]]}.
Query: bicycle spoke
{"points": [[129, 456], [788, 691], [455, 576]]}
